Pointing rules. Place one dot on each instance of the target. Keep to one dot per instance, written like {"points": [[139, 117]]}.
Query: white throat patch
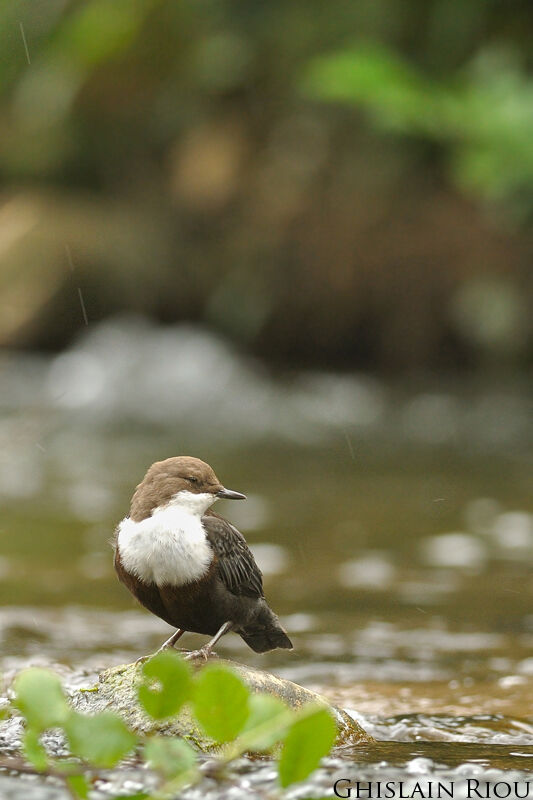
{"points": [[191, 502], [169, 547]]}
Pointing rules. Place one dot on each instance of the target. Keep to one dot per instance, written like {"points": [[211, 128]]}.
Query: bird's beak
{"points": [[228, 494]]}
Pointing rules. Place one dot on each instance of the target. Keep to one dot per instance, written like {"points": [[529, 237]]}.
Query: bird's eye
{"points": [[192, 479]]}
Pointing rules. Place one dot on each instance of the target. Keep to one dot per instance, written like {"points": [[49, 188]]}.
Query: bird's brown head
{"points": [[180, 480]]}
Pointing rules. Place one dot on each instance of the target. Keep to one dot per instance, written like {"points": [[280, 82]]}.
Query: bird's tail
{"points": [[266, 634]]}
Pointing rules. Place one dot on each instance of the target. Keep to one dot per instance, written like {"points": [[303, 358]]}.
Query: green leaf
{"points": [[368, 72], [173, 685], [171, 757], [309, 739], [220, 703], [34, 751], [39, 697], [372, 76], [98, 31], [78, 786], [102, 740], [267, 724], [137, 796]]}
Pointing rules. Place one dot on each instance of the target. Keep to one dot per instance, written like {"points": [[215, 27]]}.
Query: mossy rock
{"points": [[117, 691]]}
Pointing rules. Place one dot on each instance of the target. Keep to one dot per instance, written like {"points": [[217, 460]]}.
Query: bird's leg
{"points": [[206, 650], [170, 642]]}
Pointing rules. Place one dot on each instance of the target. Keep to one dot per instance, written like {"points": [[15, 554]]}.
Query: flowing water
{"points": [[394, 526]]}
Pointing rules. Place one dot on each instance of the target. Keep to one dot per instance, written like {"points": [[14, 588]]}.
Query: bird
{"points": [[190, 566]]}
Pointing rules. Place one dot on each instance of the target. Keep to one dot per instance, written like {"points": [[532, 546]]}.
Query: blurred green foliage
{"points": [[187, 161], [482, 116], [237, 720]]}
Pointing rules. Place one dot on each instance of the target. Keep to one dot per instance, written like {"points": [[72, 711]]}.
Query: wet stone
{"points": [[29, 787], [117, 691]]}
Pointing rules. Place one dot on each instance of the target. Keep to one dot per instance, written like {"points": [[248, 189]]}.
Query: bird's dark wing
{"points": [[236, 564]]}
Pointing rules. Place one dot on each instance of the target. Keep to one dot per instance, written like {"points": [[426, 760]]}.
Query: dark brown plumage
{"points": [[228, 594]]}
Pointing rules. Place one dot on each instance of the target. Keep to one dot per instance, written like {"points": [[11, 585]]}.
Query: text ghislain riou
{"points": [[432, 790]]}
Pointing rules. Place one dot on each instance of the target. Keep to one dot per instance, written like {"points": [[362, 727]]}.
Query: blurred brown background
{"points": [[344, 184], [293, 239]]}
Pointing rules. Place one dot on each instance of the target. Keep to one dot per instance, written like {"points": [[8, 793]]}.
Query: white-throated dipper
{"points": [[190, 566]]}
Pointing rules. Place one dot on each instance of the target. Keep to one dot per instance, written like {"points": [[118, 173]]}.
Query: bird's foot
{"points": [[168, 645], [162, 649], [207, 649], [203, 653]]}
